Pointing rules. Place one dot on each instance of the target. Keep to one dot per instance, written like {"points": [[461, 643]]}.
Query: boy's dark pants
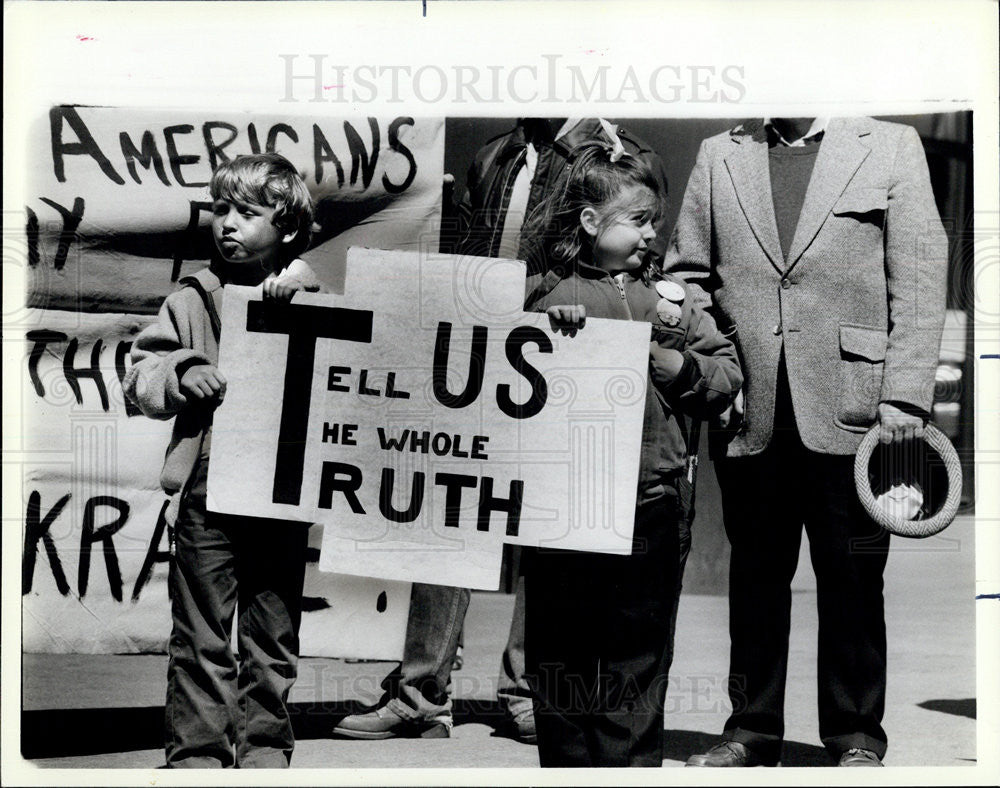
{"points": [[766, 499], [598, 641], [214, 701]]}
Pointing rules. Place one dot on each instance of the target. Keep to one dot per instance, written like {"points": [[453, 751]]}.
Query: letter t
{"points": [[303, 323]]}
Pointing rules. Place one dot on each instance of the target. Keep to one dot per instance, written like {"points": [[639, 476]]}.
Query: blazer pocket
{"points": [[866, 204], [862, 365]]}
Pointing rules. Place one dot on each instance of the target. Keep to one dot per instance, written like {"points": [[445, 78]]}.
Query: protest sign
{"points": [[425, 420]]}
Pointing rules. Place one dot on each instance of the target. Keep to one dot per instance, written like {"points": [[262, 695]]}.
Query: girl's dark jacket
{"points": [[708, 380]]}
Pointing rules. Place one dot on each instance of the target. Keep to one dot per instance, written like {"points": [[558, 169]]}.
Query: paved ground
{"points": [[105, 711]]}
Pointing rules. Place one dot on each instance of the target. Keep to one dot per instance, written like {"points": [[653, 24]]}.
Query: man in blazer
{"points": [[818, 242]]}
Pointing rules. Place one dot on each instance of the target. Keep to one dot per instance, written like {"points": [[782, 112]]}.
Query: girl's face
{"points": [[621, 231]]}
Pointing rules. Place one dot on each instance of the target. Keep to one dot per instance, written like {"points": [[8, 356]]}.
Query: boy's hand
{"points": [[282, 288], [203, 382], [567, 318]]}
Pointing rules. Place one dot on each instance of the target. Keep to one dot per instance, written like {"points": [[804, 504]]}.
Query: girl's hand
{"points": [[734, 413], [567, 318], [203, 382], [282, 288], [668, 361]]}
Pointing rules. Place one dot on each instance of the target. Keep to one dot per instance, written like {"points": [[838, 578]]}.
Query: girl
{"points": [[598, 627]]}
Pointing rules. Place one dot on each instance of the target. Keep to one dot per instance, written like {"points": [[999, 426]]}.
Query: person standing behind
{"points": [[818, 242], [510, 175], [223, 710]]}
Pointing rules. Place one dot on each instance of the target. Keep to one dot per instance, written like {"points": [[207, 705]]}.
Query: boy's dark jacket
{"points": [[708, 380]]}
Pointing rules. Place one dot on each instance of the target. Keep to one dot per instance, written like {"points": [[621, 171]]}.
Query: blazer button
{"points": [[785, 284], [777, 329]]}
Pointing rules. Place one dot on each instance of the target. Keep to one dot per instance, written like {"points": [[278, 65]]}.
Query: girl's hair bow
{"points": [[617, 150]]}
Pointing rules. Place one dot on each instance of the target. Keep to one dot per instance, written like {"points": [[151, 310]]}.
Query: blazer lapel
{"points": [[748, 168], [840, 155]]}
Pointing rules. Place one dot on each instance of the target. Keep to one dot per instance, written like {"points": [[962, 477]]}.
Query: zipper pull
{"points": [[620, 285]]}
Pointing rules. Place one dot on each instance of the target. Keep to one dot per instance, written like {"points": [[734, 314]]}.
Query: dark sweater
{"points": [[791, 169]]}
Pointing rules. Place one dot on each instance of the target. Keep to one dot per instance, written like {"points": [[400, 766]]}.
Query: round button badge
{"points": [[670, 290], [668, 312]]}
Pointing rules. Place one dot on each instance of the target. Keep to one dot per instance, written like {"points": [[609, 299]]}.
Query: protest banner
{"points": [[426, 420], [114, 215], [96, 544], [118, 204]]}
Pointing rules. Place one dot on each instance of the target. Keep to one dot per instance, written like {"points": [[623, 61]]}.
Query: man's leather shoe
{"points": [[856, 756], [383, 723], [728, 753]]}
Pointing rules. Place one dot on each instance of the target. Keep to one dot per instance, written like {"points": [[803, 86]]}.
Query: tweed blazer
{"points": [[858, 305]]}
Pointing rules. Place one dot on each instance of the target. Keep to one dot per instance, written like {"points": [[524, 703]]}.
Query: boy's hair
{"points": [[269, 179], [594, 181]]}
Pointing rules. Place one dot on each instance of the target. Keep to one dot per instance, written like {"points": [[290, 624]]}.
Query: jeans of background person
{"points": [[597, 641], [420, 686], [766, 499], [216, 703], [513, 691]]}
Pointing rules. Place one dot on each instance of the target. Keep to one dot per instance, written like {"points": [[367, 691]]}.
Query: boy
{"points": [[262, 213]]}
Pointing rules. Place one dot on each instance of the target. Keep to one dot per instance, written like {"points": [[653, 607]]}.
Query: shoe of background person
{"points": [[856, 756], [523, 727], [728, 753], [383, 723]]}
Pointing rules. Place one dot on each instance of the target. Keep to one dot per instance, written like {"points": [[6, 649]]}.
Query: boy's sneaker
{"points": [[384, 723]]}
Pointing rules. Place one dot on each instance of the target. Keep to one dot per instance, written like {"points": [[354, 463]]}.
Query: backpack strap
{"points": [[208, 300]]}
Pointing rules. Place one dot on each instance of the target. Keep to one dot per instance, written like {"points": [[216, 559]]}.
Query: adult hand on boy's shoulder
{"points": [[203, 382]]}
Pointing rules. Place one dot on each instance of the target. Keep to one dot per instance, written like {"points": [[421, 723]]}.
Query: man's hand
{"points": [[897, 425], [203, 382], [567, 318], [282, 288], [735, 410]]}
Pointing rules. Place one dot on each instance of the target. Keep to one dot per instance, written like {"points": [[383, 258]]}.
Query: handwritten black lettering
{"points": [[37, 528], [398, 147], [177, 160], [93, 372], [85, 145], [103, 534], [71, 220], [215, 154], [322, 152], [148, 156]]}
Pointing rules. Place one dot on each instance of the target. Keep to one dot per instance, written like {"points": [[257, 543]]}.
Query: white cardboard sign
{"points": [[424, 420]]}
